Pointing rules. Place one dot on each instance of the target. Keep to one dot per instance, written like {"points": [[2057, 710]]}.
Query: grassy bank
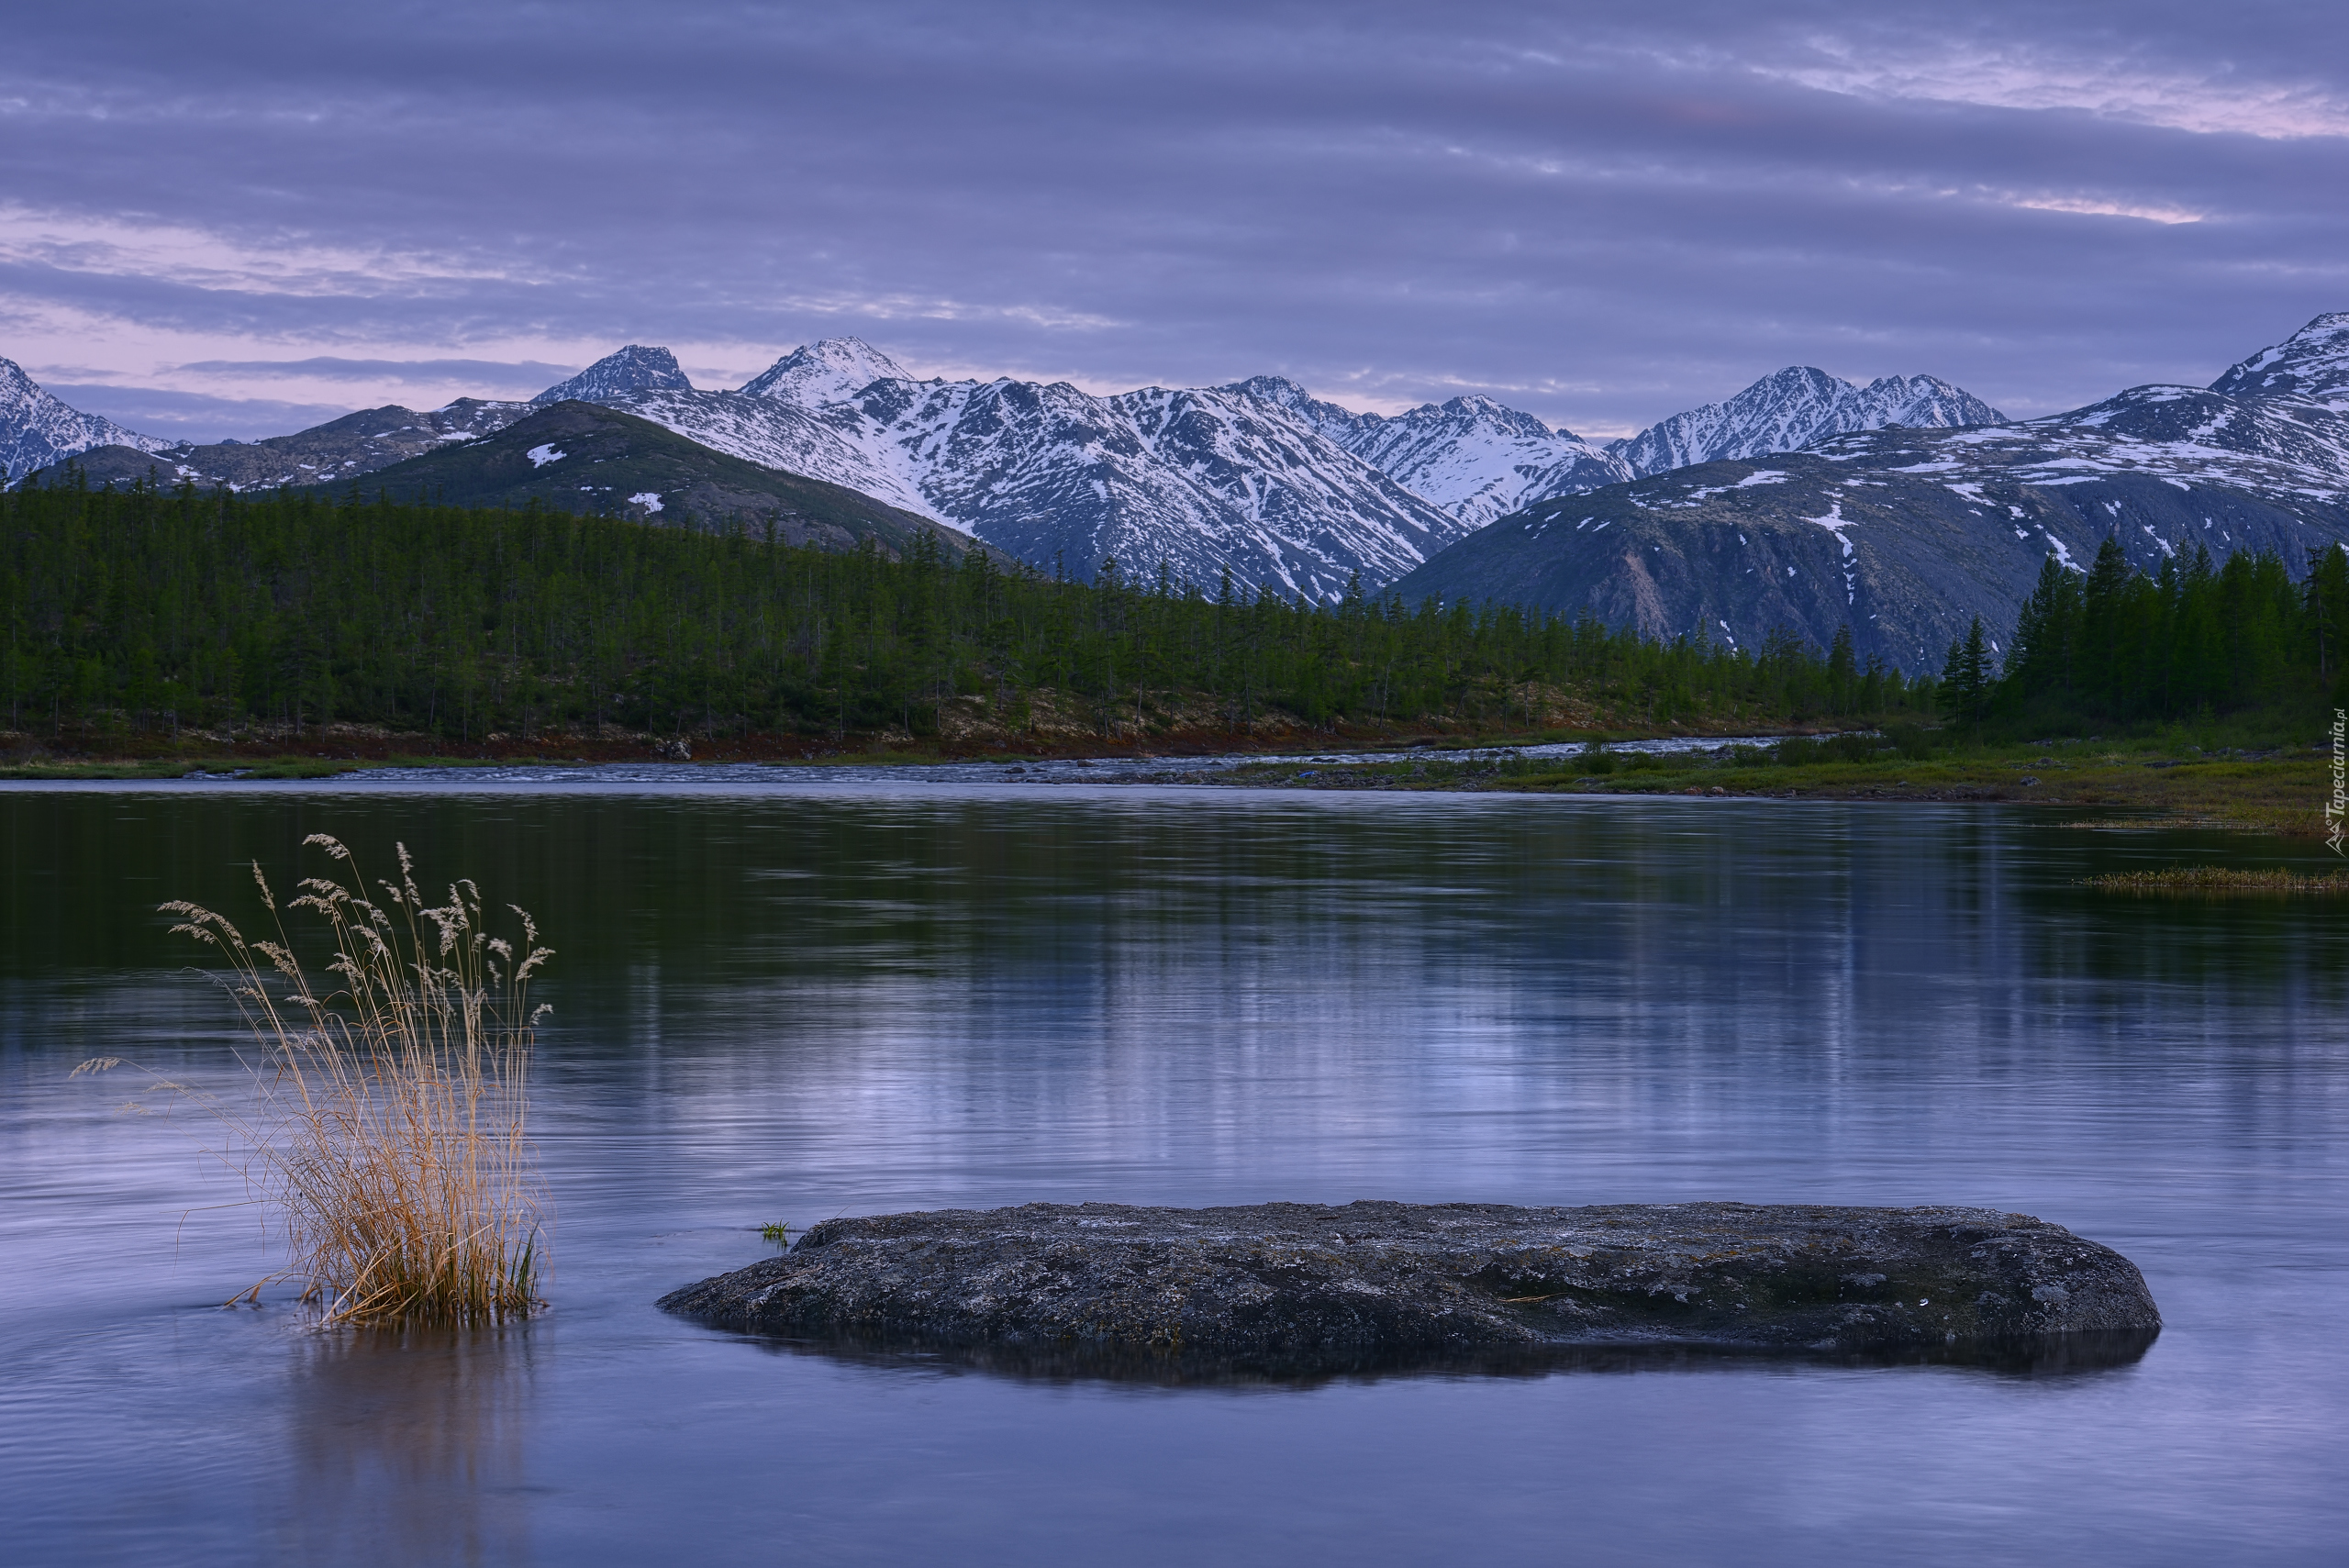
{"points": [[2280, 789], [2266, 784]]}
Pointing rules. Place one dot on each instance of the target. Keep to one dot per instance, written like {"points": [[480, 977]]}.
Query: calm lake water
{"points": [[788, 996]]}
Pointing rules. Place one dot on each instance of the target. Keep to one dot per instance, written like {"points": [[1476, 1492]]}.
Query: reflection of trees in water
{"points": [[409, 1446]]}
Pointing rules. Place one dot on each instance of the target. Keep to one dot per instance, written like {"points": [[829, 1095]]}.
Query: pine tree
{"points": [[2326, 600], [1965, 678], [2040, 663], [1841, 667], [2100, 663]]}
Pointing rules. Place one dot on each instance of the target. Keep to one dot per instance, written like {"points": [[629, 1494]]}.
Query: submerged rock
{"points": [[1293, 1285]]}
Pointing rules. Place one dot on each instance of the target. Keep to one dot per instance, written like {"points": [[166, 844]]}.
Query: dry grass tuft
{"points": [[2218, 881], [388, 1134]]}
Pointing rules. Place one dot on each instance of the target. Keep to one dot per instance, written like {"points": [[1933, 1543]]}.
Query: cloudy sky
{"points": [[238, 219]]}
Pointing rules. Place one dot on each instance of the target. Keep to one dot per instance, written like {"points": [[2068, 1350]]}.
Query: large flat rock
{"points": [[1289, 1284]]}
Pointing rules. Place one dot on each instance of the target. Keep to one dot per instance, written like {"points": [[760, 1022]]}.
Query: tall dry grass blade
{"points": [[389, 1130]]}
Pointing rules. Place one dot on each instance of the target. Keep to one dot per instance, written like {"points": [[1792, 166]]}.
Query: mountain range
{"points": [[1207, 481], [1257, 478], [1902, 507], [1906, 534]]}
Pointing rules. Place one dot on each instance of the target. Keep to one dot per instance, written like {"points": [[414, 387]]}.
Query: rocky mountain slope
{"points": [[575, 456], [1205, 481], [1791, 409], [38, 429], [1906, 534], [633, 369], [1475, 458], [340, 449], [1480, 460]]}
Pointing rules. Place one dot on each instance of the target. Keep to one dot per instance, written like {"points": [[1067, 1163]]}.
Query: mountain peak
{"points": [[633, 369], [2313, 363], [36, 428], [1327, 419], [1792, 408], [829, 370], [1272, 389]]}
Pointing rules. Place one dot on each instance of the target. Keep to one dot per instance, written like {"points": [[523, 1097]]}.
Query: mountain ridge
{"points": [[1905, 534], [1255, 479], [577, 456], [1206, 481], [1791, 409]]}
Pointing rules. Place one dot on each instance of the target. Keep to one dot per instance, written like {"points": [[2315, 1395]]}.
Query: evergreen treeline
{"points": [[149, 611], [2115, 645]]}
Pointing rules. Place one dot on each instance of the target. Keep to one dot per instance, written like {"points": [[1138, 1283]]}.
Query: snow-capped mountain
{"points": [[1475, 458], [1206, 481], [1906, 534], [633, 369], [1792, 408], [37, 428], [831, 371], [1480, 460], [1257, 477], [2312, 366]]}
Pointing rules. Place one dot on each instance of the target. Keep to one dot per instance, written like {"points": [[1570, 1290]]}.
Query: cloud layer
{"points": [[1600, 219]]}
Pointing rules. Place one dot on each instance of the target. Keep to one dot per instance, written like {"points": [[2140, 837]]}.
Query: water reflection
{"points": [[789, 1004], [410, 1446], [2066, 1355]]}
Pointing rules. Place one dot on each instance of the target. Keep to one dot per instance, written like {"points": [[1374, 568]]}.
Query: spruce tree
{"points": [[2040, 663], [1841, 667], [1965, 678], [2099, 661], [2325, 598]]}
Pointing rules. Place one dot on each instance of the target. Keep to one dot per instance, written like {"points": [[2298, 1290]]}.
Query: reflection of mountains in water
{"points": [[409, 1446], [2057, 1355]]}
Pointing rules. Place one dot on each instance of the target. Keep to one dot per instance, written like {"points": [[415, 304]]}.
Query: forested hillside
{"points": [[2117, 645], [143, 612]]}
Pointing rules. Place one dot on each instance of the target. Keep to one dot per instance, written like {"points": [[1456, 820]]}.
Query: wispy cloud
{"points": [[2098, 208], [178, 252], [1602, 214], [2223, 100], [426, 371]]}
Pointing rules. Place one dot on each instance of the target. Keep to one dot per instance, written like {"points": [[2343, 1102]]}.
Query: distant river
{"points": [[783, 996]]}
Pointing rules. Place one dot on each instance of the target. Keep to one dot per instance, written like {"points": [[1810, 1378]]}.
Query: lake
{"points": [[785, 995]]}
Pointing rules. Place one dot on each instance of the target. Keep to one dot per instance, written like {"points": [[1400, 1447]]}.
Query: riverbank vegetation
{"points": [[2172, 777], [132, 619], [2202, 640], [386, 1128], [154, 633], [2219, 882]]}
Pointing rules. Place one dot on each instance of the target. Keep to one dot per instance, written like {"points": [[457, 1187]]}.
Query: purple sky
{"points": [[238, 220]]}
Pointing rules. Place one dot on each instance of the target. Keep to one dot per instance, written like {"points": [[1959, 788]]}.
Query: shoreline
{"points": [[2139, 783]]}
